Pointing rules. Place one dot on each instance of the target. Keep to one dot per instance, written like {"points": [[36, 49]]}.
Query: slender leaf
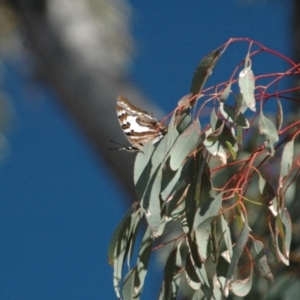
{"points": [[233, 116], [286, 161], [191, 275], [241, 104], [186, 143], [269, 131], [126, 234], [151, 201], [170, 180], [279, 115], [215, 148], [283, 235], [204, 70], [202, 223], [198, 295], [237, 252], [260, 260], [183, 120], [196, 186], [116, 235], [268, 194], [143, 169], [172, 275], [240, 287], [226, 92], [247, 87], [143, 261], [128, 286], [226, 235]]}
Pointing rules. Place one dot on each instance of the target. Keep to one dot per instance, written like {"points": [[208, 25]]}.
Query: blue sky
{"points": [[59, 205]]}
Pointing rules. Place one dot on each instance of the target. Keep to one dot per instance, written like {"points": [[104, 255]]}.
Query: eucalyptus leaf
{"points": [[204, 70], [279, 115], [233, 116], [247, 87], [202, 223], [143, 261], [237, 252], [226, 92], [128, 286], [269, 131], [283, 235], [172, 274], [260, 260], [286, 161], [186, 143]]}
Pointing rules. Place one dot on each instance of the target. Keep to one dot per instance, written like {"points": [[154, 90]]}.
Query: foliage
{"points": [[216, 182]]}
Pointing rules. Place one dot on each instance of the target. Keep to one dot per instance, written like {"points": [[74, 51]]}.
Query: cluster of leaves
{"points": [[197, 179]]}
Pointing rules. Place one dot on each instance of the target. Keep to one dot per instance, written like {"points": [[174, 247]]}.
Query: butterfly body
{"points": [[138, 126]]}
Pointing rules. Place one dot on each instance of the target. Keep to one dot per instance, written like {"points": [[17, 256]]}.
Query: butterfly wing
{"points": [[138, 126]]}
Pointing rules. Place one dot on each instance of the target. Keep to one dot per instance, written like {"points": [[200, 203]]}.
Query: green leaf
{"points": [[283, 235], [204, 70], [207, 213], [226, 92], [240, 287], [286, 161], [231, 150], [150, 181], [240, 103], [174, 203], [143, 169], [215, 148], [128, 286], [196, 276], [198, 295], [183, 119], [125, 237], [222, 267], [170, 181], [233, 116], [115, 237], [199, 187], [269, 131], [237, 252], [143, 261], [150, 201], [268, 194], [172, 275], [226, 235], [260, 260], [247, 87], [186, 143], [172, 133], [190, 273], [279, 115]]}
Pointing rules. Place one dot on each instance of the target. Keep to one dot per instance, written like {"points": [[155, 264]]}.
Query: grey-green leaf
{"points": [[260, 260], [286, 160], [233, 116], [204, 70], [237, 252], [247, 87], [143, 261], [186, 143], [269, 131], [204, 216], [172, 275]]}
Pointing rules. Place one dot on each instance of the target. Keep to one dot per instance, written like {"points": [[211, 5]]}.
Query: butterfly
{"points": [[138, 126]]}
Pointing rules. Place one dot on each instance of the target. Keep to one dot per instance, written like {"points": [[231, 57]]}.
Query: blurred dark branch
{"points": [[87, 73]]}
